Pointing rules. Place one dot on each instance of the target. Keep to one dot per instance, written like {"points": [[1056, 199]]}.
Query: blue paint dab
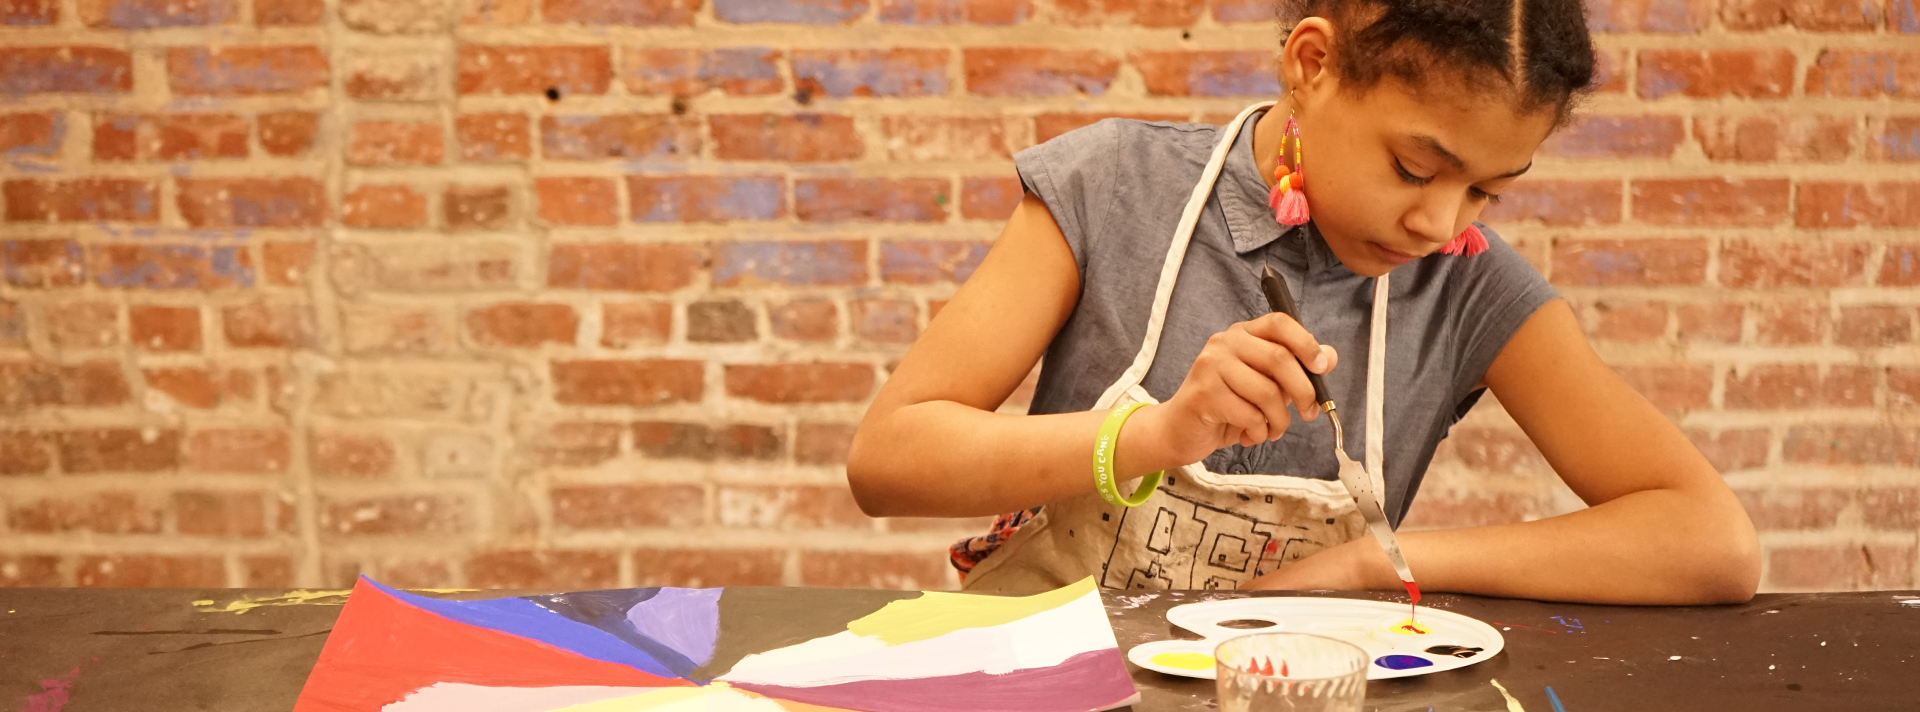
{"points": [[1555, 699], [1402, 662]]}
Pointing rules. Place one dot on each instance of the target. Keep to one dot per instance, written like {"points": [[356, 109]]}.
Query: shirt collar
{"points": [[1243, 195]]}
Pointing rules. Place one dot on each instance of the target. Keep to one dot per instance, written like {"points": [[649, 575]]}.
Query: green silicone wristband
{"points": [[1103, 478]]}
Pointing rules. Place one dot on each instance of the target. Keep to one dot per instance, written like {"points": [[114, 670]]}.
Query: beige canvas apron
{"points": [[1199, 529]]}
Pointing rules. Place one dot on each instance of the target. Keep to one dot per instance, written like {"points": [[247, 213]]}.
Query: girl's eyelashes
{"points": [[1410, 178], [1479, 194]]}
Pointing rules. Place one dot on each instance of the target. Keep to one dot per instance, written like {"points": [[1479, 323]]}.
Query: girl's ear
{"points": [[1306, 60]]}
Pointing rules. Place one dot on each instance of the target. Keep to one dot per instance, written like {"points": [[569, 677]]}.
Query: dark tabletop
{"points": [[246, 650]]}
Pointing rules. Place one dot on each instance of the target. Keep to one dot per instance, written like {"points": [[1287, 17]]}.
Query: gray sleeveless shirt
{"points": [[1117, 187]]}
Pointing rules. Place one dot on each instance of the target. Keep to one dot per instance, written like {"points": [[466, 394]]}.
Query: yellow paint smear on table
{"points": [[325, 597], [1513, 705], [1183, 661], [934, 614]]}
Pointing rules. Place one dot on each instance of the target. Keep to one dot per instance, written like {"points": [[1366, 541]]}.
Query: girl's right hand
{"points": [[1238, 390]]}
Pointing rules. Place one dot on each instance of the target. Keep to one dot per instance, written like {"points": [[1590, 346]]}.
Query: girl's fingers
{"points": [[1283, 330], [1225, 407], [1280, 366], [1258, 389]]}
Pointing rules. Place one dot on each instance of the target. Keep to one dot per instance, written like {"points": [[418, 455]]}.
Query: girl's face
{"points": [[1395, 172]]}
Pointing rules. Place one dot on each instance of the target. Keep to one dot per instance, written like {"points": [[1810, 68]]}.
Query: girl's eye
{"points": [[1479, 194], [1410, 178]]}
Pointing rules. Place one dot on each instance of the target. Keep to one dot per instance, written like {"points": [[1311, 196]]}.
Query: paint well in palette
{"points": [[1184, 661], [1402, 662]]}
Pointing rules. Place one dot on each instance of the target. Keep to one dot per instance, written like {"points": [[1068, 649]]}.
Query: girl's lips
{"points": [[1390, 255]]}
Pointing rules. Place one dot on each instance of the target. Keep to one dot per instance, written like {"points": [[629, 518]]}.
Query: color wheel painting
{"points": [[751, 650]]}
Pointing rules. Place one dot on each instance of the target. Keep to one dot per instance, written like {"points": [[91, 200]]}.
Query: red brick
{"points": [[65, 70], [288, 133], [13, 324], [1717, 202], [543, 570], [1558, 203], [1901, 267], [32, 133], [252, 202], [159, 266], [1764, 139], [1144, 13], [246, 70], [395, 75], [589, 507], [82, 199], [388, 143], [842, 73], [414, 515], [579, 444], [82, 325], [700, 568], [639, 13], [806, 12], [1894, 138], [647, 136], [790, 507], [383, 206], [798, 138], [625, 325], [1648, 262], [1799, 386], [1209, 73], [737, 71], [891, 321], [26, 386], [1865, 74], [100, 513], [42, 263], [271, 571], [477, 207], [522, 324], [914, 137], [989, 198], [221, 514], [151, 571], [1789, 324], [703, 442], [486, 69], [1630, 322], [28, 13], [355, 455], [871, 199], [116, 137], [1047, 127], [637, 383], [1035, 71], [190, 387], [1834, 205], [1813, 15], [852, 569], [495, 12], [1833, 445], [118, 450], [161, 328], [1903, 388], [805, 320], [824, 263], [1797, 508], [1670, 387], [1731, 450], [26, 570], [801, 382], [24, 453], [1873, 326], [822, 443], [706, 198], [1841, 567], [267, 325], [1609, 71], [1895, 509], [725, 321], [493, 137], [1708, 74], [239, 451], [288, 12], [1800, 263], [578, 201], [1452, 509], [623, 267]]}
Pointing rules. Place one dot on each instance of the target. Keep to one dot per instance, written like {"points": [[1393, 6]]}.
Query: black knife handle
{"points": [[1280, 299]]}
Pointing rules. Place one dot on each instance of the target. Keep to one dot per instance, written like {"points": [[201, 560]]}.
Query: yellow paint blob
{"points": [[1408, 627], [934, 614], [1183, 661]]}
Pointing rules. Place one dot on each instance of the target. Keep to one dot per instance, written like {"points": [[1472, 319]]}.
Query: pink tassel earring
{"points": [[1289, 197], [1469, 242]]}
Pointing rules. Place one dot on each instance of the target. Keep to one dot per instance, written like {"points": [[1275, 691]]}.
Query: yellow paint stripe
{"points": [[934, 614], [1513, 705]]}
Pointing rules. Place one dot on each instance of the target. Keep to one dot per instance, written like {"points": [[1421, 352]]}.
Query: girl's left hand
{"points": [[1341, 568]]}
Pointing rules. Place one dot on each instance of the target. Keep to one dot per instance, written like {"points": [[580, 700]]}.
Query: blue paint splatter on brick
{"points": [[1208, 81], [810, 12], [56, 134], [750, 198], [790, 263], [1670, 16], [874, 77], [1656, 82], [273, 210], [31, 269], [1618, 136], [175, 267], [270, 72], [923, 261], [38, 72], [924, 12], [1609, 263], [740, 63], [135, 15], [1901, 144], [1905, 16]]}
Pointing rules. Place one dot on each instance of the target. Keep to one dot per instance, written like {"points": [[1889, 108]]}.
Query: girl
{"points": [[1132, 264]]}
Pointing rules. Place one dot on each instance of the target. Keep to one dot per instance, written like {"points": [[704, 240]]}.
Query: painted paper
{"points": [[659, 650]]}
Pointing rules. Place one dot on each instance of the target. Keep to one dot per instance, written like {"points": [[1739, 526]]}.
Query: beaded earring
{"points": [[1289, 196]]}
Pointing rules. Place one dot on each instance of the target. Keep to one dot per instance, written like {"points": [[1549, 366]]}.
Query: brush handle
{"points": [[1280, 299]]}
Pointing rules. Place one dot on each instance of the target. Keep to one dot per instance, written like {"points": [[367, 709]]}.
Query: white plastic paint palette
{"points": [[1448, 641]]}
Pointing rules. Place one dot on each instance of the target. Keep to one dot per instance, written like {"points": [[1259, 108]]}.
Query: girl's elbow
{"points": [[1737, 576], [865, 478]]}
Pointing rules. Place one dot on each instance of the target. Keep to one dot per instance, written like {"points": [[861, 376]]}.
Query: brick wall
{"points": [[582, 293]]}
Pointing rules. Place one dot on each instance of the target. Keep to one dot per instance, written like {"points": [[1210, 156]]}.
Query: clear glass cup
{"points": [[1289, 672]]}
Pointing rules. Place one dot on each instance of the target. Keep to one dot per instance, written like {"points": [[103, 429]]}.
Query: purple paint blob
{"points": [[1099, 676], [1402, 662], [686, 620]]}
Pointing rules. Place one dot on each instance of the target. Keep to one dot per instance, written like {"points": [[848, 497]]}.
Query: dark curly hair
{"points": [[1540, 49]]}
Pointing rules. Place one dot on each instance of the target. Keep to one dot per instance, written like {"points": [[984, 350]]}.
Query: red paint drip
{"points": [[1283, 669], [1413, 589]]}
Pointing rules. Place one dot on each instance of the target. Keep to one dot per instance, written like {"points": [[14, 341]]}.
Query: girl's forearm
{"points": [[1664, 547], [946, 459]]}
